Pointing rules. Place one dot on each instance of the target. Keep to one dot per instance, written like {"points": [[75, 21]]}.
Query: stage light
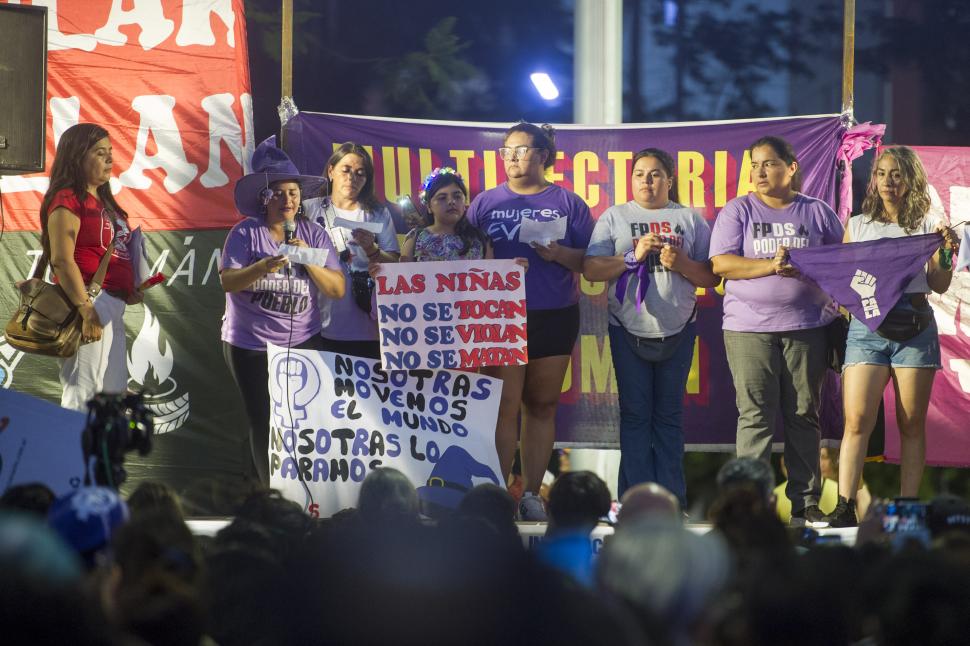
{"points": [[544, 85]]}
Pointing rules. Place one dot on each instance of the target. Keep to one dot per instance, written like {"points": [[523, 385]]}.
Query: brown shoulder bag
{"points": [[47, 322]]}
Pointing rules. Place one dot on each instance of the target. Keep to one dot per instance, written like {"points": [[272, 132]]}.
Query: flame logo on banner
{"points": [[9, 358], [145, 361], [150, 364]]}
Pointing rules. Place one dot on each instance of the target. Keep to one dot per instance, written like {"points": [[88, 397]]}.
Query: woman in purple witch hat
{"points": [[653, 252], [896, 205], [269, 299]]}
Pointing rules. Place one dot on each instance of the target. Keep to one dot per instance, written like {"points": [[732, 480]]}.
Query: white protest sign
{"points": [[39, 442], [542, 232], [455, 314], [335, 418]]}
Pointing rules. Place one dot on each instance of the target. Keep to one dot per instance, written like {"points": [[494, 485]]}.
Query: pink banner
{"points": [[947, 436]]}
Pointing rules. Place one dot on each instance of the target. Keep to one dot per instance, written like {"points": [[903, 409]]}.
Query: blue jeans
{"points": [[652, 413]]}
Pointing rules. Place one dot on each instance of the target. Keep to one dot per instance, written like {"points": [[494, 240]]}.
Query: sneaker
{"points": [[810, 516], [531, 508], [844, 514]]}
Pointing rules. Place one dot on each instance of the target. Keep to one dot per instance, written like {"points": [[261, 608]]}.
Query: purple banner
{"points": [[712, 168]]}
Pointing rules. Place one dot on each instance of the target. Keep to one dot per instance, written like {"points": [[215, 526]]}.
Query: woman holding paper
{"points": [[269, 299], [363, 234], [80, 222], [653, 251], [896, 205], [531, 218], [774, 324]]}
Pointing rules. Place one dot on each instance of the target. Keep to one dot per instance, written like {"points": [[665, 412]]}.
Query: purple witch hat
{"points": [[270, 164]]}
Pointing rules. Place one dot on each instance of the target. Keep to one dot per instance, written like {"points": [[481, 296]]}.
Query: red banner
{"points": [[169, 80], [947, 437]]}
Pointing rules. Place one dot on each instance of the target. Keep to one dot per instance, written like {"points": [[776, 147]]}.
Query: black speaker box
{"points": [[23, 88]]}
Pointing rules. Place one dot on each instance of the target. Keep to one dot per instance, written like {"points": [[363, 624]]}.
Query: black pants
{"points": [[367, 349], [250, 371]]}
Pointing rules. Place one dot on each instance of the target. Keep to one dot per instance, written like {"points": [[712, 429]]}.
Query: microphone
{"points": [[289, 232]]}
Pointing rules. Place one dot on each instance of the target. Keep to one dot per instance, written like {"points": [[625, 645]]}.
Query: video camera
{"points": [[116, 424]]}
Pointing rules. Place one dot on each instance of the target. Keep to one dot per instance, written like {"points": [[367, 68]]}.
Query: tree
{"points": [[436, 81]]}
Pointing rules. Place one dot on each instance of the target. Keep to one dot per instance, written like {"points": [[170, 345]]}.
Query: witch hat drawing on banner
{"points": [[451, 479]]}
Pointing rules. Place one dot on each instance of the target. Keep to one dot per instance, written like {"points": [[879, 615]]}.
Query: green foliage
{"points": [[436, 81], [266, 22], [728, 55]]}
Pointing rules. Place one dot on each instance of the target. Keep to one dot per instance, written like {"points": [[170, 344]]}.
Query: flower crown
{"points": [[435, 174]]}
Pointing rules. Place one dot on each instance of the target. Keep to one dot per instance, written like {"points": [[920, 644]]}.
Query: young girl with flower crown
{"points": [[450, 236]]}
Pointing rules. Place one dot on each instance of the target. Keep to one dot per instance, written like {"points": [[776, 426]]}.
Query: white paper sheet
{"points": [[344, 223], [305, 255], [542, 232], [139, 256]]}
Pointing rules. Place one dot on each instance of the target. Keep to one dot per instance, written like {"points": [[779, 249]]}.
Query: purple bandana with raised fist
{"points": [[866, 278]]}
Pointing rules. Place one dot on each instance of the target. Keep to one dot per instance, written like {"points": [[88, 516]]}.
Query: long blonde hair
{"points": [[916, 203]]}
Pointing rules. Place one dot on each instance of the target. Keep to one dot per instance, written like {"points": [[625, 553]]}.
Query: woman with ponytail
{"points": [[552, 294]]}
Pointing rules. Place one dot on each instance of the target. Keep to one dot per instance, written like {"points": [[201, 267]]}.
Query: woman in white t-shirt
{"points": [[348, 326], [896, 205], [653, 251]]}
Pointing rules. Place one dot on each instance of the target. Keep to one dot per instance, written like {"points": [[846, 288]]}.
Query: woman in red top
{"points": [[79, 217]]}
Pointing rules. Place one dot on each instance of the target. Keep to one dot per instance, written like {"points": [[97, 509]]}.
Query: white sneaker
{"points": [[531, 508]]}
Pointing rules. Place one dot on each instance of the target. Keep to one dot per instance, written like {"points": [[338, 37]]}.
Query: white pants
{"points": [[101, 366]]}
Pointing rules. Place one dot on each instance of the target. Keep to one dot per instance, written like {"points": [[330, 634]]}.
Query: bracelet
{"points": [[946, 258], [377, 251], [630, 259]]}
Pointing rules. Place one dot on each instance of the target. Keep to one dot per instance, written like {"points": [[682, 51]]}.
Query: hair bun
{"points": [[549, 130]]}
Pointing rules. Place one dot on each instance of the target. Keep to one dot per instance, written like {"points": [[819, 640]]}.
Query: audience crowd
{"points": [[92, 568]]}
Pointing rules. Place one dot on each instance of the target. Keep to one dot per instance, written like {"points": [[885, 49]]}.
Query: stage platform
{"points": [[532, 533]]}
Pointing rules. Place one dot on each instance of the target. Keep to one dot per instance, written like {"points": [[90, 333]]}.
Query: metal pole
{"points": [[598, 62], [286, 88], [848, 60]]}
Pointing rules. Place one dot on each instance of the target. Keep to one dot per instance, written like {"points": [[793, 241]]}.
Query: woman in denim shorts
{"points": [[896, 205]]}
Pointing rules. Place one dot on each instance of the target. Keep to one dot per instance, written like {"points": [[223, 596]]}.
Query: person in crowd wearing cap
{"points": [[349, 326], [896, 205], [269, 300], [653, 252], [552, 291], [86, 519], [79, 220]]}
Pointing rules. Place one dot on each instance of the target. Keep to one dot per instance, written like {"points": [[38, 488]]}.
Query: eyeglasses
{"points": [[519, 152]]}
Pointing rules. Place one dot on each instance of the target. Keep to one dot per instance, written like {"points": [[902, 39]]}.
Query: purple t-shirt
{"points": [[261, 313], [748, 227], [498, 213]]}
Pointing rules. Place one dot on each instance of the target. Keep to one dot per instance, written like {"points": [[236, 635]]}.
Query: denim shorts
{"points": [[865, 347]]}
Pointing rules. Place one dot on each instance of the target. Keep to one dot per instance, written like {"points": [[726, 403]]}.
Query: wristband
{"points": [[630, 259], [946, 258], [377, 250]]}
